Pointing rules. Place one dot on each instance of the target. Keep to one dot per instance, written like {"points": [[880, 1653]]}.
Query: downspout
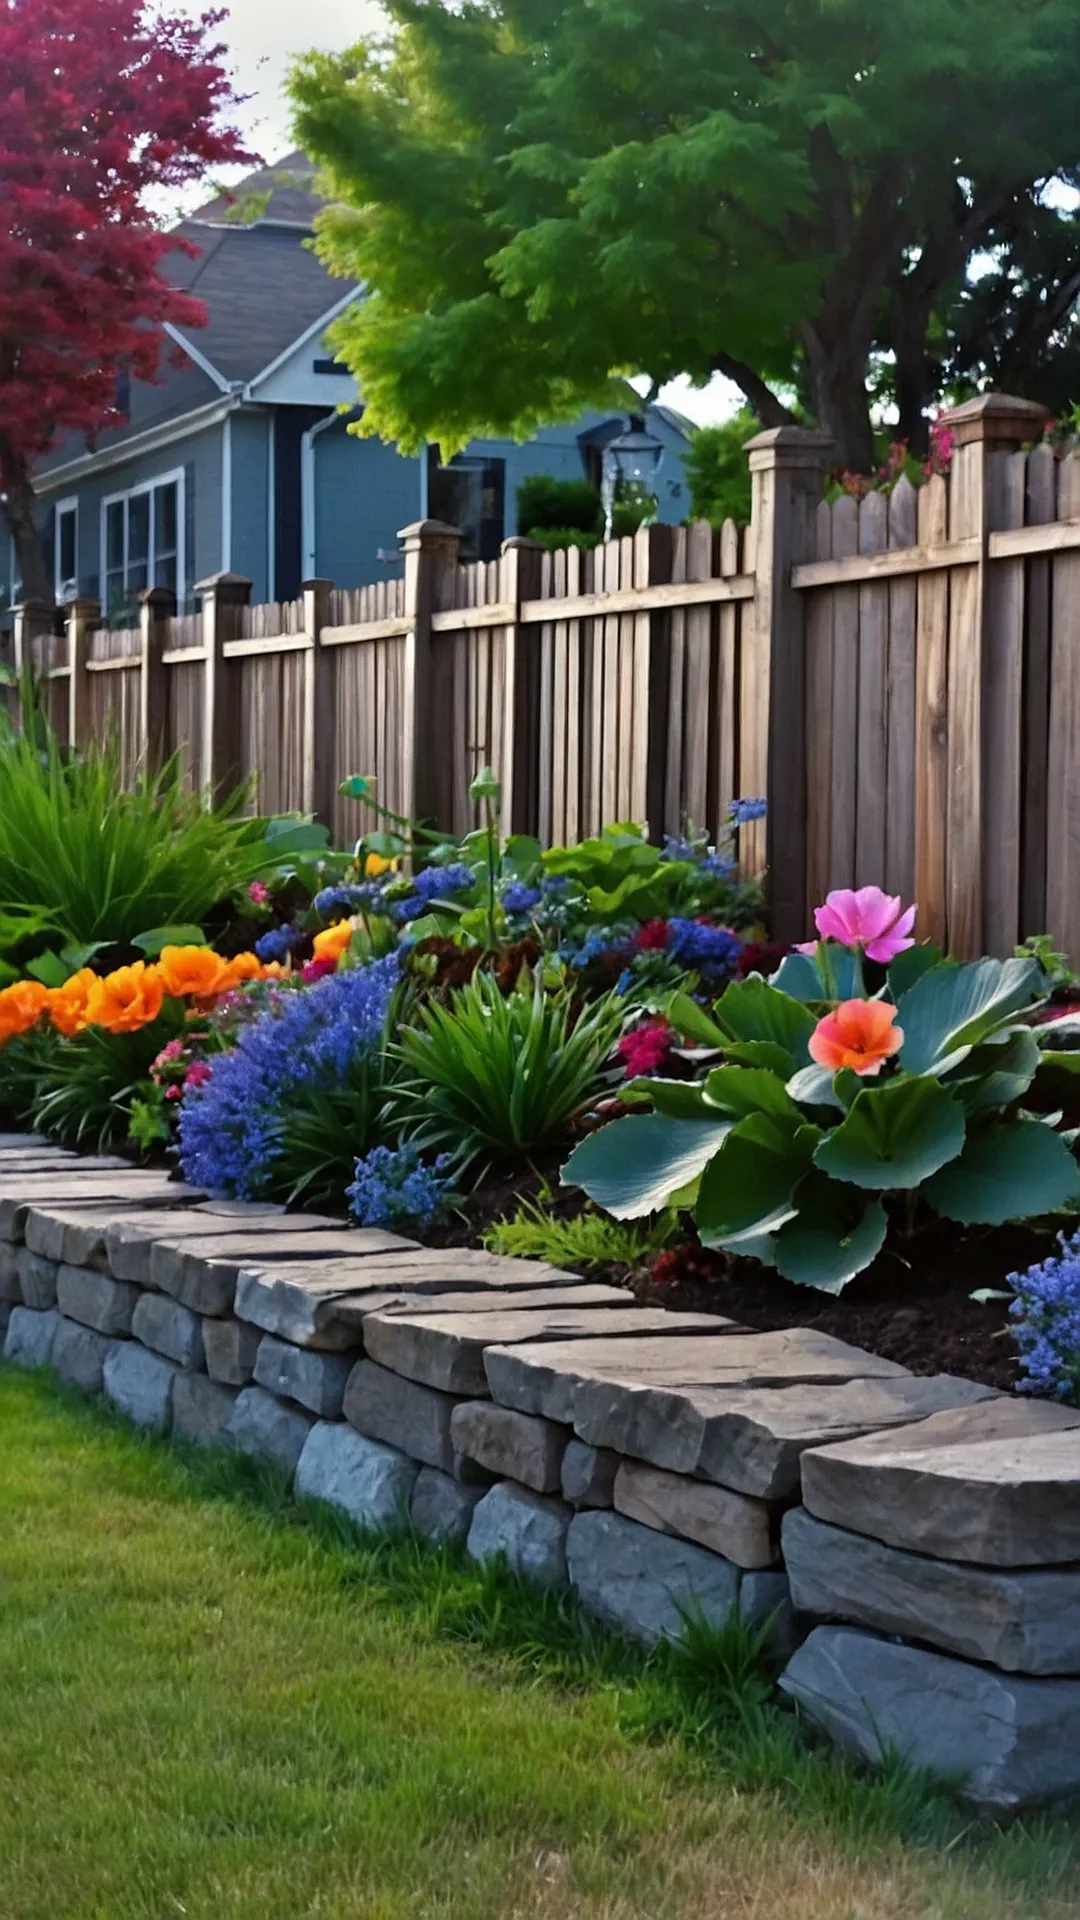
{"points": [[307, 493]]}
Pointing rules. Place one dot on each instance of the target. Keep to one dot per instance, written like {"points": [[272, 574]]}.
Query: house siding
{"points": [[365, 492], [252, 527]]}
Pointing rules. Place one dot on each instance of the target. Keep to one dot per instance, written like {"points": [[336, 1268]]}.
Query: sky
{"points": [[263, 34]]}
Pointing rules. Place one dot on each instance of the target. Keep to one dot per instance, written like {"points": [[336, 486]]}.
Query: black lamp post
{"points": [[634, 457]]}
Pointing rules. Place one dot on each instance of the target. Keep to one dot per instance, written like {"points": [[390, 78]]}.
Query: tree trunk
{"points": [[19, 504], [836, 379]]}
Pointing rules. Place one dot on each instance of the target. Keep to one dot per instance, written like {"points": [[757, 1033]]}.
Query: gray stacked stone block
{"points": [[1008, 1742], [732, 1524], [10, 1287], [171, 1329], [442, 1508], [645, 1583], [79, 1354], [201, 1409], [363, 1479], [513, 1446], [526, 1529], [402, 1414], [29, 1337], [267, 1429], [230, 1348], [588, 1475], [96, 1299], [36, 1278], [140, 1384], [316, 1380]]}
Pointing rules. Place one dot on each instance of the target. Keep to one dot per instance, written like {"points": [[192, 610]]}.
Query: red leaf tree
{"points": [[106, 103]]}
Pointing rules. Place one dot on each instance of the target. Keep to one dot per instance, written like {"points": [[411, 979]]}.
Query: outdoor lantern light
{"points": [[635, 457]]}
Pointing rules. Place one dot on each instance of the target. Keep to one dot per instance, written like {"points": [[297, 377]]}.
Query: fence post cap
{"points": [[1001, 418], [226, 586], [158, 598], [520, 543], [83, 606], [429, 533], [317, 585], [788, 447]]}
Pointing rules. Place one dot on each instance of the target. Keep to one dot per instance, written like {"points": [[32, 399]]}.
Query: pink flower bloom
{"points": [[317, 970], [866, 918], [646, 1048], [259, 892], [171, 1052], [197, 1074]]}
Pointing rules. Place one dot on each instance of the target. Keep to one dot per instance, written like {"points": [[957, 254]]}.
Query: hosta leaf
{"points": [[1009, 1171], [910, 966], [747, 1189], [809, 977], [997, 1073], [835, 1235], [679, 1099], [745, 1090], [755, 1010], [813, 1086], [633, 1167], [894, 1136], [692, 1022], [760, 1053], [951, 1009]]}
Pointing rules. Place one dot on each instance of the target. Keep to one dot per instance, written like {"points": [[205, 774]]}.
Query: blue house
{"points": [[238, 458]]}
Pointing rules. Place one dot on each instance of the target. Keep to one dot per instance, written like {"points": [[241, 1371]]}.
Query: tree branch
{"points": [[770, 410]]}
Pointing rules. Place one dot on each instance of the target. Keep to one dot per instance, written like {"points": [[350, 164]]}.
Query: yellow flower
{"points": [[375, 864], [331, 943]]}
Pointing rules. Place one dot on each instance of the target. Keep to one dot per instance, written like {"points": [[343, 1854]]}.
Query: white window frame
{"points": [[69, 504], [175, 477]]}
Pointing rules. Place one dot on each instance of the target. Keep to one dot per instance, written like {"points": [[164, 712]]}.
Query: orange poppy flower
{"points": [[192, 973], [860, 1034], [127, 999], [332, 942], [21, 1006], [244, 966], [69, 1005]]}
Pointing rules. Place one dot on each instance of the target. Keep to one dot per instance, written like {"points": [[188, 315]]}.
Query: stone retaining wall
{"points": [[914, 1544]]}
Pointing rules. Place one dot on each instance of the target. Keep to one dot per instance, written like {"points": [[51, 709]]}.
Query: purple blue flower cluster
{"points": [[519, 899], [334, 903], [277, 944], [741, 812], [702, 948], [231, 1127], [394, 1187], [433, 883], [1046, 1313]]}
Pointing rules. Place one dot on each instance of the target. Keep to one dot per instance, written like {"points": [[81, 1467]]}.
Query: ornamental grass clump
{"points": [[290, 1108], [491, 1075], [838, 1111]]}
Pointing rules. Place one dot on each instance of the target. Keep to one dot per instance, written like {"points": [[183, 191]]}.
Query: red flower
{"points": [[652, 937], [197, 1074], [646, 1048], [760, 956], [317, 970]]}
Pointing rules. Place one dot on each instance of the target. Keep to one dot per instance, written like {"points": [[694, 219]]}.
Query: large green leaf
{"points": [[1009, 1171], [755, 1010], [632, 1167], [814, 1087], [832, 975], [692, 1022], [740, 1091], [910, 966], [951, 1009], [997, 1072], [760, 1053], [680, 1099], [894, 1136], [158, 938], [835, 1235], [746, 1191]]}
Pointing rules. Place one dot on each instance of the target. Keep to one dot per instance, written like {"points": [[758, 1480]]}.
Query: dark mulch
{"points": [[913, 1305]]}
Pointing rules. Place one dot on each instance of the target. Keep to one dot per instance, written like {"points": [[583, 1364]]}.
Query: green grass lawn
{"points": [[214, 1704]]}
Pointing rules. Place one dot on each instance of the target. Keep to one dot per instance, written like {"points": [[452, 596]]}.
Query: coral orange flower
{"points": [[245, 966], [860, 1034], [332, 942], [69, 1005], [192, 972], [127, 999], [21, 1006]]}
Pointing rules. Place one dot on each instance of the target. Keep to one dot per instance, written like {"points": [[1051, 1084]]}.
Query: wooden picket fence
{"points": [[899, 676]]}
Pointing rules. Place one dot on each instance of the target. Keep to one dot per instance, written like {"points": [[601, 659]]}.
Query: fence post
{"points": [[785, 476], [983, 703], [431, 549], [31, 618], [223, 597], [320, 728], [157, 605], [519, 579], [81, 616]]}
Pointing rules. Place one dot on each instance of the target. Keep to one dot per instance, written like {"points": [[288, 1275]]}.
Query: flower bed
{"points": [[591, 1054]]}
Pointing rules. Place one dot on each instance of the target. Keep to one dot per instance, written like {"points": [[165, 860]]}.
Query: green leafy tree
{"points": [[716, 470], [546, 193]]}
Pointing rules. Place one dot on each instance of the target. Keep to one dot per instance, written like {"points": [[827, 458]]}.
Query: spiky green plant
{"points": [[588, 1239]]}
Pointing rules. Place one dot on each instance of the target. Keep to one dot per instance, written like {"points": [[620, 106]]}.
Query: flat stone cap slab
{"points": [[1011, 1742], [545, 1379], [997, 1484], [753, 1438], [447, 1349], [131, 1187]]}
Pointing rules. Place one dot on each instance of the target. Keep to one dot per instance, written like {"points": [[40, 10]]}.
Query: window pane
{"points": [[114, 535], [138, 531], [164, 521], [165, 571], [65, 542]]}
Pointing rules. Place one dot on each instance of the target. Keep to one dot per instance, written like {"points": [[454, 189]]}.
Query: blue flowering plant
{"points": [[395, 1187], [1046, 1323], [285, 1114]]}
